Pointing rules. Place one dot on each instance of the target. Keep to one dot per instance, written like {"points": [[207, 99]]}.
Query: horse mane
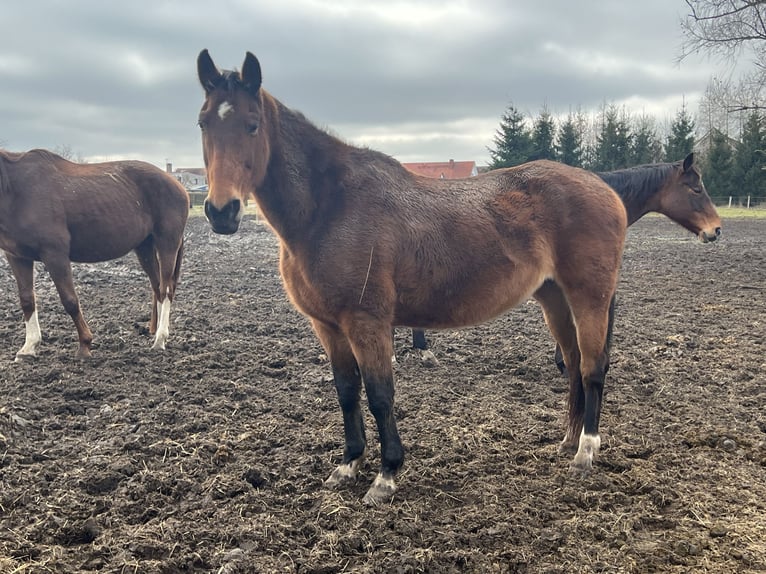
{"points": [[637, 184]]}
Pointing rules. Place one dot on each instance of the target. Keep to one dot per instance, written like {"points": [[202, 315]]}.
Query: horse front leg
{"points": [[348, 385], [23, 272], [372, 346], [60, 271]]}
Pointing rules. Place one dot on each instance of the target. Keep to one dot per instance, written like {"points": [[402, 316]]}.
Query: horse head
{"points": [[685, 200], [235, 143]]}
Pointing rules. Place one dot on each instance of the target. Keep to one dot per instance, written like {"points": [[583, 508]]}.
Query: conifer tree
{"points": [[570, 145], [613, 141], [513, 141], [750, 160], [544, 136], [680, 141], [718, 167]]}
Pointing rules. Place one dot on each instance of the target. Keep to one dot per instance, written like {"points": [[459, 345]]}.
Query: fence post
{"points": [[748, 202], [730, 201]]}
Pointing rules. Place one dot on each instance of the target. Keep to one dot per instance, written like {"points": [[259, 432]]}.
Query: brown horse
{"points": [[366, 245], [673, 189], [56, 211]]}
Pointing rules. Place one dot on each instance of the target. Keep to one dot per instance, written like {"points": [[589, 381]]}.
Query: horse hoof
{"points": [[84, 354], [338, 478], [21, 357], [580, 470], [568, 448], [344, 473], [429, 359], [158, 347], [381, 491]]}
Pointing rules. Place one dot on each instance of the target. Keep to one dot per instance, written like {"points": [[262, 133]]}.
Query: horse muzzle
{"points": [[225, 220], [707, 236]]}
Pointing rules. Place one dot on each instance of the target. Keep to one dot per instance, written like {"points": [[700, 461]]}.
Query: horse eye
{"points": [[201, 125], [252, 129]]}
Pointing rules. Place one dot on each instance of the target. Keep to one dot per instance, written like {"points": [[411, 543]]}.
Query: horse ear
{"points": [[209, 76], [688, 161], [251, 74]]}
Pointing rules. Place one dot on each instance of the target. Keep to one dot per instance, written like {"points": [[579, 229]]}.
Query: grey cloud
{"points": [[118, 79]]}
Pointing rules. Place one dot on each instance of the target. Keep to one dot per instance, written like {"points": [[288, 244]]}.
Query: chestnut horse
{"points": [[673, 189], [56, 211], [366, 245]]}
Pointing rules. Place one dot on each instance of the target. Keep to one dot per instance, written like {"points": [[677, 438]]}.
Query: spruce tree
{"points": [[513, 141], [680, 141], [544, 136], [718, 167], [613, 141], [570, 142], [646, 146], [750, 160]]}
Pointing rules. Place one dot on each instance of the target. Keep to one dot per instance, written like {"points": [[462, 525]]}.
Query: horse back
{"points": [[98, 211]]}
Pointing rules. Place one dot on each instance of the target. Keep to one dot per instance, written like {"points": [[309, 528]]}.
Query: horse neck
{"points": [[303, 161], [638, 187]]}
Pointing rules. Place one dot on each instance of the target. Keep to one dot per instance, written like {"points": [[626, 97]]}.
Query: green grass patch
{"points": [[738, 212]]}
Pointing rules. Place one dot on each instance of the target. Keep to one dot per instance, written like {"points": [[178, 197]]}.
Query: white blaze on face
{"points": [[224, 110]]}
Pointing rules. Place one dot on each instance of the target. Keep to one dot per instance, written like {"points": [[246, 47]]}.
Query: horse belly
{"points": [[100, 242], [477, 299]]}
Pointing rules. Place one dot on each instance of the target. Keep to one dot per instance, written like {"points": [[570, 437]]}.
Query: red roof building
{"points": [[444, 169]]}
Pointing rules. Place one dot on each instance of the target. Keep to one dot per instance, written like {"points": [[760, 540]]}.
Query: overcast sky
{"points": [[422, 80]]}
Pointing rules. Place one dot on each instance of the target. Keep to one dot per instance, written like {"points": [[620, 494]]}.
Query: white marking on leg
{"points": [[32, 337], [224, 110], [345, 472], [163, 324], [590, 444], [381, 490]]}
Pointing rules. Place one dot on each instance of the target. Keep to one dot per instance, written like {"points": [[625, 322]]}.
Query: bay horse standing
{"points": [[366, 245], [56, 211], [674, 189]]}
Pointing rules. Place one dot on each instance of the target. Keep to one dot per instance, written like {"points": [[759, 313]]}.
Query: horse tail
{"points": [[180, 256], [5, 179], [609, 330]]}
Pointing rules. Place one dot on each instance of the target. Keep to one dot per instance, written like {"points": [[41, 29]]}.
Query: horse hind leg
{"points": [[163, 266], [170, 270], [594, 326], [558, 317], [148, 261], [23, 272]]}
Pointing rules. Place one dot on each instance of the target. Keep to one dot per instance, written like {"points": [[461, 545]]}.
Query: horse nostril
{"points": [[718, 232]]}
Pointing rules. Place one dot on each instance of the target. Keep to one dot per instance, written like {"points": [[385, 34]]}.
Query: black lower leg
{"points": [[419, 339], [348, 386], [380, 395]]}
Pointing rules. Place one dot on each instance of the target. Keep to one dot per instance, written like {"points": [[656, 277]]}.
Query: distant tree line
{"points": [[614, 139]]}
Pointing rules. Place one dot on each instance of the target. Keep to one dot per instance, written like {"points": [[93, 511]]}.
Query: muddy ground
{"points": [[210, 457]]}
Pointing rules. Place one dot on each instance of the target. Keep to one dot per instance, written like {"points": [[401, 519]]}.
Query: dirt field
{"points": [[210, 457]]}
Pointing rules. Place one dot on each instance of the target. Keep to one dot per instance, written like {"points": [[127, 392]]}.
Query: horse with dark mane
{"points": [[673, 189], [56, 211], [365, 245]]}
